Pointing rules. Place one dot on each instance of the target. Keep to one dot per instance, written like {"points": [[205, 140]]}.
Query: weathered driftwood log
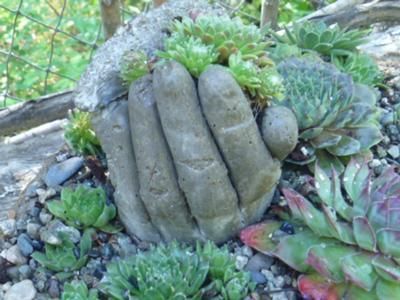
{"points": [[186, 158], [29, 114], [352, 13]]}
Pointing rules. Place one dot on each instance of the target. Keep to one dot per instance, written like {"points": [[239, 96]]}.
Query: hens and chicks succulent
{"points": [[347, 244]]}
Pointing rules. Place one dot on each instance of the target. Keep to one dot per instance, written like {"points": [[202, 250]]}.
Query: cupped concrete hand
{"points": [[186, 158], [189, 162]]}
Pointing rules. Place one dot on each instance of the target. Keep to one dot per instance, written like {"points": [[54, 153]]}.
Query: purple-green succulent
{"points": [[348, 243], [336, 117]]}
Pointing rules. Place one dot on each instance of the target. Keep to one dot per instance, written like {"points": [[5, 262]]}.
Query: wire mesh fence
{"points": [[46, 44]]}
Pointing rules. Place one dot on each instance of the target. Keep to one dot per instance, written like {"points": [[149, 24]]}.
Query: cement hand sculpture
{"points": [[186, 158]]}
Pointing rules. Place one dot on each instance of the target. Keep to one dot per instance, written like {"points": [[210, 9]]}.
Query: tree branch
{"points": [[110, 16], [269, 13]]}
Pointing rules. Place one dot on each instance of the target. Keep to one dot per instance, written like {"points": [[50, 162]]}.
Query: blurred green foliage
{"points": [[33, 43]]}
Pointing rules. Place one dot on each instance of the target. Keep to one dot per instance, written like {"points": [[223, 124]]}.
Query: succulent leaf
{"points": [[134, 65], [357, 268]]}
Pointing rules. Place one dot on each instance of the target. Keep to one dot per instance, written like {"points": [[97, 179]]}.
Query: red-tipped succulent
{"points": [[349, 246]]}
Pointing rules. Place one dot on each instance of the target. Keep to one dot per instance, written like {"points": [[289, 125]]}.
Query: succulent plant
{"points": [[262, 83], [227, 35], [326, 40], [336, 117], [77, 290], [177, 272], [190, 52], [134, 64], [361, 67], [84, 207], [351, 242], [282, 51], [66, 257], [228, 282], [79, 134]]}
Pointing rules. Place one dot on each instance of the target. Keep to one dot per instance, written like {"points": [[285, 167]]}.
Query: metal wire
{"points": [[11, 54]]}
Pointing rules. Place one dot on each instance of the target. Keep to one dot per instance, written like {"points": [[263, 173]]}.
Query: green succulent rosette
{"points": [[85, 207], [336, 117]]}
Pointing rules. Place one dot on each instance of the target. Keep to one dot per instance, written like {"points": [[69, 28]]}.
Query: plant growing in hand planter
{"points": [[347, 245], [85, 207], [65, 258], [178, 174]]}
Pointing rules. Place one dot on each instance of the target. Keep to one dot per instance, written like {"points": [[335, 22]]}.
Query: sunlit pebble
{"points": [[304, 151]]}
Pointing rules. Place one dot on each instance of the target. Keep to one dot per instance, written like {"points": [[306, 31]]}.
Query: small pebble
{"points": [[43, 194], [45, 217], [24, 243], [13, 255], [32, 229], [54, 289], [259, 261], [241, 261], [268, 275], [247, 251], [8, 227], [61, 172], [23, 290], [394, 151], [258, 277], [375, 163], [25, 272]]}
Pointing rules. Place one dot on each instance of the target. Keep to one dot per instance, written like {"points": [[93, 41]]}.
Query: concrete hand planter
{"points": [[186, 158]]}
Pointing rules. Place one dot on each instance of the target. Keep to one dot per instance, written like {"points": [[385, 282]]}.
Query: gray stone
{"points": [[32, 229], [14, 255], [61, 172], [8, 227], [241, 262], [25, 271], [13, 273], [45, 217], [24, 243], [23, 290], [54, 289], [279, 130], [45, 194], [258, 277], [158, 184], [126, 247], [394, 151], [259, 261], [51, 233]]}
